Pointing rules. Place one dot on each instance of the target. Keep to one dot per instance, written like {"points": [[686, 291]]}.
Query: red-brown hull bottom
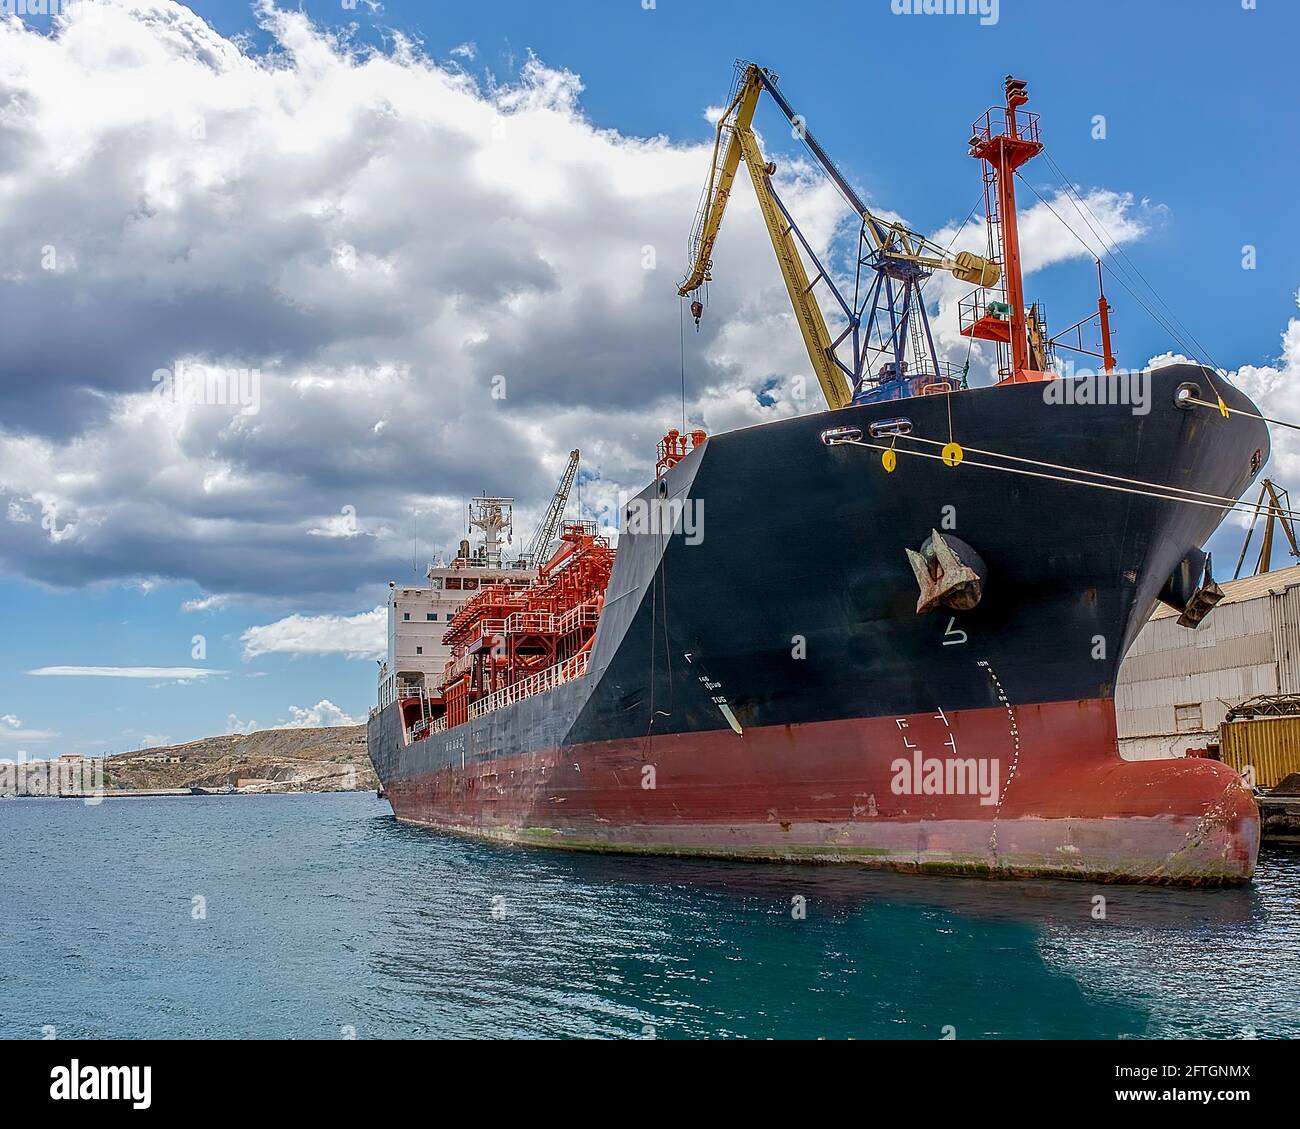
{"points": [[1054, 798]]}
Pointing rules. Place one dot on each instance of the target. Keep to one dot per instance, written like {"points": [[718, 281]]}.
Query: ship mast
{"points": [[493, 516], [1004, 139], [1103, 321]]}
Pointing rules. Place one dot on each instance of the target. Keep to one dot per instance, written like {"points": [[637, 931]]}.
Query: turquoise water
{"points": [[325, 918]]}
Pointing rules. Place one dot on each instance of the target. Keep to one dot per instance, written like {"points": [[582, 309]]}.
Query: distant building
{"points": [[1175, 684], [253, 782]]}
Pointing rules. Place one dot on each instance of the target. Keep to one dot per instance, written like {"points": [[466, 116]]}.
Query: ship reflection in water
{"points": [[322, 917], [620, 946]]}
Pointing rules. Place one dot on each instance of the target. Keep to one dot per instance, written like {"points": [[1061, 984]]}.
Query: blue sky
{"points": [[1202, 107], [1201, 97]]}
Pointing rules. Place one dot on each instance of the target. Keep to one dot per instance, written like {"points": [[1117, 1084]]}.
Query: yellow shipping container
{"points": [[1271, 745]]}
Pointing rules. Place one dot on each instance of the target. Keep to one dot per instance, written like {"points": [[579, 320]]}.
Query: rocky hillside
{"points": [[269, 760]]}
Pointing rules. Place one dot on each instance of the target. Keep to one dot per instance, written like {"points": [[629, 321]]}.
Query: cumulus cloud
{"points": [[442, 286], [323, 714], [359, 636], [339, 525], [1275, 389], [1055, 228], [234, 725]]}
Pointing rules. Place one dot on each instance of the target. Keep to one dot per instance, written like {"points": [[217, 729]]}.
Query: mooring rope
{"points": [[1223, 498], [1240, 412], [1234, 505]]}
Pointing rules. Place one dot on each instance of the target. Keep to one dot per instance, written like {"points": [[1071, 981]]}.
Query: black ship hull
{"points": [[762, 685]]}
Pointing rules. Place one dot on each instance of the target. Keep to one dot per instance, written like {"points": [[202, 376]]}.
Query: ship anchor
{"points": [[1191, 589], [948, 572]]}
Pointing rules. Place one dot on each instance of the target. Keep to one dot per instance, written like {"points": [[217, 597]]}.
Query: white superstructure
{"points": [[418, 615]]}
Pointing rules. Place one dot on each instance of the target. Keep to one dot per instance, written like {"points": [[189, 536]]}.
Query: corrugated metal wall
{"points": [[1285, 607], [1245, 648], [1270, 745], [1228, 659], [1147, 708]]}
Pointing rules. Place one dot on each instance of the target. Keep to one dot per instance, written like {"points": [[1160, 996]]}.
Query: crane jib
{"points": [[885, 320], [855, 201]]}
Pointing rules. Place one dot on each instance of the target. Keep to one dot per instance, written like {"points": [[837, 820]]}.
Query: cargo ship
{"points": [[886, 633]]}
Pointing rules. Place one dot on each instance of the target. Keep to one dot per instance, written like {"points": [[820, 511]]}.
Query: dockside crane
{"points": [[537, 553], [884, 317], [1274, 505]]}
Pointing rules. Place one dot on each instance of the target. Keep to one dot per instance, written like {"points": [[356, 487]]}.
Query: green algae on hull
{"points": [[877, 858]]}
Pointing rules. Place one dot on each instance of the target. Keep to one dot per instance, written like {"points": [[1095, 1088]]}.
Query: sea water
{"points": [[320, 916]]}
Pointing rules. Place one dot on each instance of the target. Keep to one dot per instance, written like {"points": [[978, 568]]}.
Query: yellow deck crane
{"points": [[886, 317]]}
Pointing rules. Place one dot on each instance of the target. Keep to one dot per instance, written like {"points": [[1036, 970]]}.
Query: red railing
{"points": [[537, 683]]}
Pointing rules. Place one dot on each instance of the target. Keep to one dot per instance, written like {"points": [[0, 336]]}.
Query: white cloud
{"points": [[1275, 389], [157, 673], [324, 713], [12, 730], [337, 525], [205, 604], [234, 725], [361, 636], [378, 236], [1046, 242]]}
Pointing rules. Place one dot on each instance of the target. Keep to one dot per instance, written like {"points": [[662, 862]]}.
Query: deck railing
{"points": [[520, 623], [547, 679]]}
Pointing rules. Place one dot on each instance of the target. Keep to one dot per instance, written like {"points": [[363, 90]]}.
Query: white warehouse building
{"points": [[1176, 685]]}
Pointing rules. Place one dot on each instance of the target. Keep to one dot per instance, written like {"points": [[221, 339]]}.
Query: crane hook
{"points": [[697, 309]]}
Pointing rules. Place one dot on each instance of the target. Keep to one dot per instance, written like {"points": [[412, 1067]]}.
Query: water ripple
{"points": [[324, 918]]}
